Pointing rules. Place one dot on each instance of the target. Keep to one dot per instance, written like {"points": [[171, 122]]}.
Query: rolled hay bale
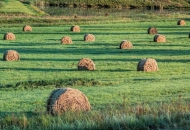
{"points": [[148, 65], [66, 40], [152, 30], [126, 45], [27, 28], [86, 64], [9, 36], [159, 38], [181, 22], [89, 37], [11, 55], [67, 99], [75, 28]]}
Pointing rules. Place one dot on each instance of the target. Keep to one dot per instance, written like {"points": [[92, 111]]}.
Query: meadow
{"points": [[120, 96]]}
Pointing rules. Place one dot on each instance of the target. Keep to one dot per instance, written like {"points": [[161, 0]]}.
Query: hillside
{"points": [[18, 7]]}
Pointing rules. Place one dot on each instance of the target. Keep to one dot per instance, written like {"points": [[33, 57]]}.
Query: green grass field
{"points": [[120, 96], [117, 90]]}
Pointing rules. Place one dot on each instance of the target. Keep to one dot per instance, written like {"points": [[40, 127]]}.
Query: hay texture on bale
{"points": [[89, 37], [67, 99], [75, 28], [159, 38], [66, 40], [27, 28], [86, 64], [181, 22], [152, 30], [11, 55], [126, 45], [9, 36], [147, 65]]}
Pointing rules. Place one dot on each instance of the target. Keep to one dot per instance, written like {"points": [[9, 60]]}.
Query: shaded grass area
{"points": [[56, 83]]}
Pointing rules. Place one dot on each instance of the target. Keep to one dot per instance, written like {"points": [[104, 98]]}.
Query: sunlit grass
{"points": [[15, 6]]}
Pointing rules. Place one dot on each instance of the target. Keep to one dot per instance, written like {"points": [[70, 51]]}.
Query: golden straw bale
{"points": [[75, 28], [147, 65], [181, 22], [66, 40], [89, 37], [11, 55], [86, 64], [159, 38], [9, 36], [152, 30], [27, 28], [126, 45], [67, 99]]}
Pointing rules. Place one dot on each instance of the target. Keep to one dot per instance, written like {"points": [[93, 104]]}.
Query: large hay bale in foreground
{"points": [[159, 38], [67, 99], [181, 22], [86, 64], [75, 28], [152, 30], [89, 37], [147, 65], [9, 36], [126, 45], [66, 40], [11, 55], [27, 28]]}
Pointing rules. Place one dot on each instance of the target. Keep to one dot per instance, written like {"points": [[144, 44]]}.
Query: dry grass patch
{"points": [[148, 65], [67, 99], [159, 38], [75, 28], [11, 55], [27, 28], [152, 30], [66, 40], [126, 45], [86, 64], [9, 36], [89, 37]]}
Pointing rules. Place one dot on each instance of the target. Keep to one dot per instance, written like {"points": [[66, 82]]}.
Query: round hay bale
{"points": [[11, 55], [9, 36], [67, 99], [27, 28], [86, 64], [75, 28], [148, 65], [89, 37], [66, 40], [152, 30], [159, 38], [181, 22], [126, 45]]}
